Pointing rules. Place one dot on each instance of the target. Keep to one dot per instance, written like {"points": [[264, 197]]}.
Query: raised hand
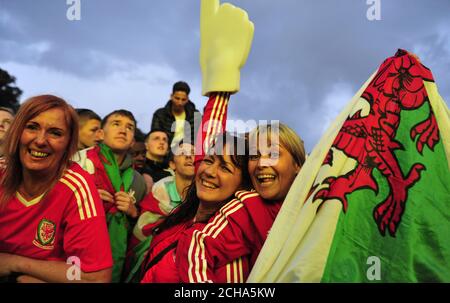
{"points": [[226, 38]]}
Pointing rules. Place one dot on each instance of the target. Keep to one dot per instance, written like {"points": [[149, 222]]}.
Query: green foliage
{"points": [[9, 92]]}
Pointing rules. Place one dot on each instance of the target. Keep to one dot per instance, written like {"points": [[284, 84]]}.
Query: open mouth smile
{"points": [[208, 184], [37, 154], [265, 178]]}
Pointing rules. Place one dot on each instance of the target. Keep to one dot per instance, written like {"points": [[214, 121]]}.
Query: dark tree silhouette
{"points": [[9, 92]]}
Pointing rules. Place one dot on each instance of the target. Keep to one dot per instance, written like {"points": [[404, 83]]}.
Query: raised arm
{"points": [[226, 38]]}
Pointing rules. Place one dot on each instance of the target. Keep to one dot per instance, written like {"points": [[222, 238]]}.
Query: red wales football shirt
{"points": [[68, 221]]}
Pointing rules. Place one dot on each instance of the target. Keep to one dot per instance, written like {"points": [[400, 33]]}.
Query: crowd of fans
{"points": [[167, 206]]}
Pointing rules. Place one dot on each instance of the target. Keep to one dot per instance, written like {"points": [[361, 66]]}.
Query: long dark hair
{"points": [[186, 211]]}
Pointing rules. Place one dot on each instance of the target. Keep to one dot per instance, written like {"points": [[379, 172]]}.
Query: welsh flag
{"points": [[117, 221], [372, 202]]}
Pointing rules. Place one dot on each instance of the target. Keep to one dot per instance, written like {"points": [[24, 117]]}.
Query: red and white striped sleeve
{"points": [[213, 123], [85, 232], [219, 252]]}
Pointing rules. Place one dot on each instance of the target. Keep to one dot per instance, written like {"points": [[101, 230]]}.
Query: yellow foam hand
{"points": [[226, 37]]}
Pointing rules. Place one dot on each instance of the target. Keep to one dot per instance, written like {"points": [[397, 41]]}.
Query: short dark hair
{"points": [[139, 135], [181, 86], [120, 112], [8, 110], [85, 115], [175, 148], [154, 130]]}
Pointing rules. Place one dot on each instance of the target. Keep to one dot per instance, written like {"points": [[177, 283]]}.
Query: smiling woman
{"points": [[49, 208], [36, 146], [219, 176], [42, 144], [274, 166]]}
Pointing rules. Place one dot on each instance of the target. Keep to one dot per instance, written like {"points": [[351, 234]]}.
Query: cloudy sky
{"points": [[307, 60]]}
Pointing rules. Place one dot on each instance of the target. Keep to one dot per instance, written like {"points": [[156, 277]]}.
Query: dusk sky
{"points": [[307, 60]]}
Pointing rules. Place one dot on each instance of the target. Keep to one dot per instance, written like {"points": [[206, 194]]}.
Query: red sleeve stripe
{"points": [[224, 213], [197, 271], [191, 270], [85, 185], [235, 272], [77, 196], [196, 251], [241, 271], [215, 124], [84, 200], [210, 119], [82, 191], [220, 221], [239, 275], [218, 121], [245, 195], [218, 217]]}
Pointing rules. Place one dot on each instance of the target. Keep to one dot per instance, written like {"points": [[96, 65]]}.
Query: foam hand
{"points": [[226, 37]]}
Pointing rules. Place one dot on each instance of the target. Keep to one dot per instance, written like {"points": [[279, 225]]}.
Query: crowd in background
{"points": [[133, 206]]}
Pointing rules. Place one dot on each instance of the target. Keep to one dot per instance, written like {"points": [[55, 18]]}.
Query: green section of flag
{"points": [[118, 225], [118, 229], [121, 181], [420, 250], [140, 253]]}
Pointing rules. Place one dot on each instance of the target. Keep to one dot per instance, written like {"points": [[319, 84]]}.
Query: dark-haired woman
{"points": [[221, 182], [217, 233]]}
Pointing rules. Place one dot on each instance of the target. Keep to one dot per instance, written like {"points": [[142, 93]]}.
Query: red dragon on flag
{"points": [[382, 167], [370, 140]]}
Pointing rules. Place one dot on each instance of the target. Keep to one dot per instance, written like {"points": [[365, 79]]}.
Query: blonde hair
{"points": [[288, 138]]}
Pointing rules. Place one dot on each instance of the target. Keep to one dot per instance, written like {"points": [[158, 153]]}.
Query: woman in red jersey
{"points": [[52, 225], [217, 233], [226, 248], [221, 178]]}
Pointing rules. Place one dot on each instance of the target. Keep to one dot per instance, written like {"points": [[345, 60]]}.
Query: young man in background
{"points": [[178, 117], [6, 117], [119, 185], [89, 128]]}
